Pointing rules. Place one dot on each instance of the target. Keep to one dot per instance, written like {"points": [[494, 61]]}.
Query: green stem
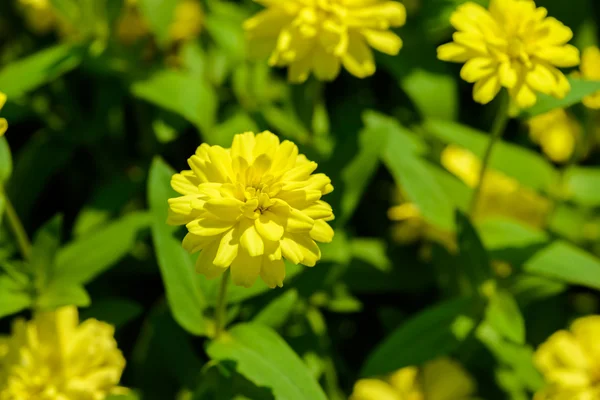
{"points": [[221, 309], [496, 133], [17, 227]]}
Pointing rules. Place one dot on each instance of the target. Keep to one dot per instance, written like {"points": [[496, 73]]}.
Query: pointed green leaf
{"points": [[265, 359], [277, 311], [504, 316], [579, 89], [474, 258]]}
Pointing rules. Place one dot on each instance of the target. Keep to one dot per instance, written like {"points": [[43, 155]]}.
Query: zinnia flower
{"points": [[512, 45], [3, 123], [500, 195], [556, 132], [251, 206], [590, 69], [570, 362], [53, 357], [322, 35], [441, 379]]}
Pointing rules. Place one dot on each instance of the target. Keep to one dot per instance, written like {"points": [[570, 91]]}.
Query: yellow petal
{"points": [[227, 249], [454, 52], [486, 89], [523, 96], [272, 272], [208, 226], [309, 249], [290, 250], [508, 75], [299, 70], [358, 59], [322, 232], [245, 269], [268, 226], [444, 379], [326, 66], [251, 241], [563, 56], [318, 210], [297, 221], [225, 208], [477, 68], [385, 41], [204, 263], [185, 183], [374, 389], [267, 23], [193, 243], [2, 100]]}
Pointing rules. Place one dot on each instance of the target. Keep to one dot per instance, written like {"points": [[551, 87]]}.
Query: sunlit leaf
{"points": [[579, 89]]}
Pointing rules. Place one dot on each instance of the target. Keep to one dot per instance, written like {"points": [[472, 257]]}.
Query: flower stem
{"points": [[498, 128], [17, 227], [221, 308]]}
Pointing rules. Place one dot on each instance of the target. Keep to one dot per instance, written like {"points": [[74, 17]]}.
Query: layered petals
{"points": [[250, 207], [321, 36], [513, 45]]}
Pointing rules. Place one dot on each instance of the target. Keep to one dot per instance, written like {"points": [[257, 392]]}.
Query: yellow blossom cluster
{"points": [[53, 357], [320, 36], [570, 362], [441, 379], [514, 45], [250, 207]]}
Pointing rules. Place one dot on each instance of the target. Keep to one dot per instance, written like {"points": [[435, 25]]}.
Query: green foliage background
{"points": [[98, 128]]}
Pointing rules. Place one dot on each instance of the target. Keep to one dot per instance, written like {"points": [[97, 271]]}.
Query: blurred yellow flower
{"points": [[556, 132], [590, 69], [187, 22], [41, 17], [53, 357], [514, 45], [322, 35], [441, 379], [3, 123], [570, 362], [500, 195], [251, 206]]}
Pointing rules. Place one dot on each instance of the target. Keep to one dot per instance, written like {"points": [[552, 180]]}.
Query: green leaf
{"points": [[277, 312], [357, 174], [473, 256], [503, 314], [85, 258], [499, 233], [565, 262], [265, 359], [45, 246], [413, 176], [23, 76], [526, 166], [434, 94], [579, 89], [60, 294], [115, 311], [183, 286], [12, 297], [434, 332], [581, 185], [187, 95], [518, 357], [159, 15], [5, 161], [372, 251], [529, 288]]}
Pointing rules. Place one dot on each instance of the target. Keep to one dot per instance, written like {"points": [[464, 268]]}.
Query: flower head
{"points": [[590, 69], [441, 379], [251, 206], [570, 362], [53, 357], [514, 45], [556, 132], [322, 35], [3, 123]]}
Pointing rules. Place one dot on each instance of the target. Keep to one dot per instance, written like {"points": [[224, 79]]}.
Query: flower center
{"points": [[516, 50]]}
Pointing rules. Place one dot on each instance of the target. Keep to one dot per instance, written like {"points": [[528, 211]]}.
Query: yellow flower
{"points": [[556, 132], [3, 123], [570, 362], [512, 45], [322, 35], [441, 379], [53, 357], [251, 206], [590, 69], [500, 195]]}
